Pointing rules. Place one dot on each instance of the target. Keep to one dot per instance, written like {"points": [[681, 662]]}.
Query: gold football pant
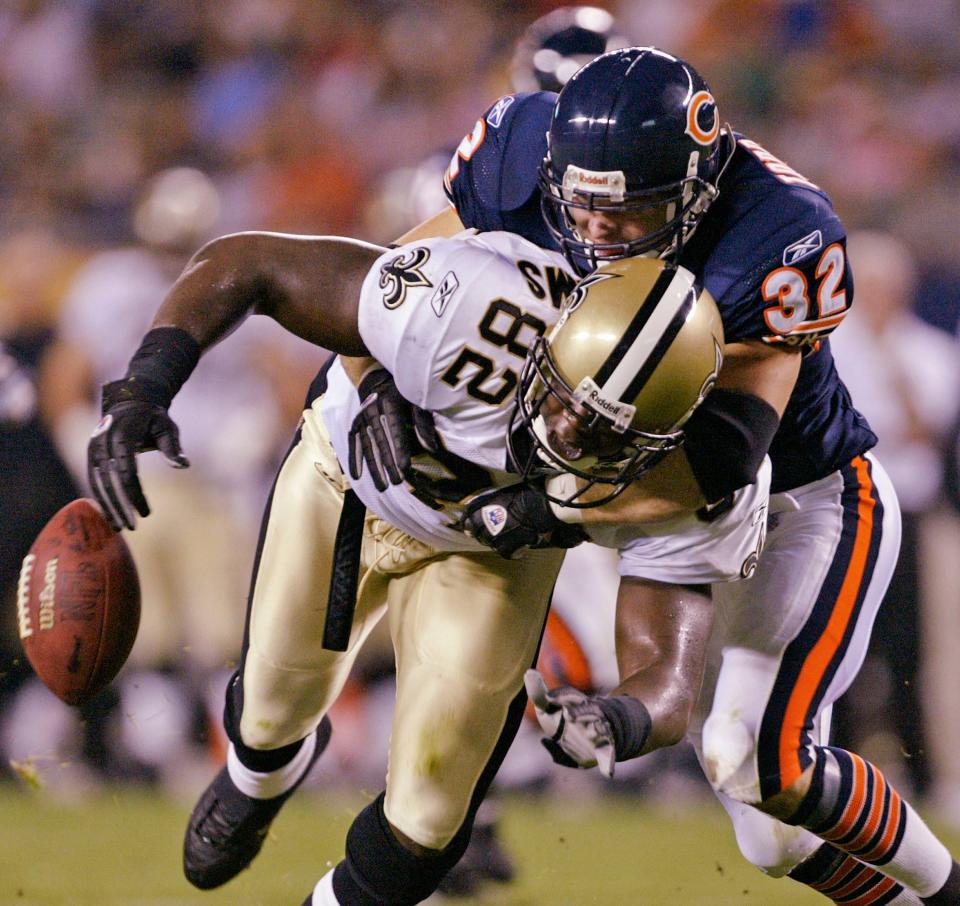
{"points": [[464, 628]]}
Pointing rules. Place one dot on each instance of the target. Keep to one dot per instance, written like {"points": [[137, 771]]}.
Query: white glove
{"points": [[578, 735]]}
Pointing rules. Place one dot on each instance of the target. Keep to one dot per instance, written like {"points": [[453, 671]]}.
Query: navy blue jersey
{"points": [[771, 250]]}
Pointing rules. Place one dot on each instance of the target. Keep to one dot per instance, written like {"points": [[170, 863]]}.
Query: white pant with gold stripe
{"points": [[464, 628]]}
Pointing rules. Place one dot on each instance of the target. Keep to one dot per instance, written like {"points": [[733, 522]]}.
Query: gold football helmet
{"points": [[604, 395]]}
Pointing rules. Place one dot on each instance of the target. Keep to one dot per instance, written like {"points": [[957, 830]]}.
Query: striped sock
{"points": [[842, 879], [851, 805]]}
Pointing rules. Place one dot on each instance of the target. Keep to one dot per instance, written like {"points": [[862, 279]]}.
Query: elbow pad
{"points": [[726, 439]]}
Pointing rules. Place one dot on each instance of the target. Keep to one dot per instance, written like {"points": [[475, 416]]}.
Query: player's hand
{"points": [[388, 432], [517, 518], [130, 425], [578, 735]]}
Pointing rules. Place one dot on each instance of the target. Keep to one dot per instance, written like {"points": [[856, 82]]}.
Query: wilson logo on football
{"points": [[703, 124], [46, 614]]}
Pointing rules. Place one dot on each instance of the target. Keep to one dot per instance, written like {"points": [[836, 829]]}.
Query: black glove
{"points": [[388, 432], [516, 518], [133, 422]]}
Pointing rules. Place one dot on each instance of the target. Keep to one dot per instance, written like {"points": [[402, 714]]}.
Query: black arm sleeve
{"points": [[726, 440]]}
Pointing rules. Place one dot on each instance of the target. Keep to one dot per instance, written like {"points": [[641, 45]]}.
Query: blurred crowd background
{"points": [[133, 130]]}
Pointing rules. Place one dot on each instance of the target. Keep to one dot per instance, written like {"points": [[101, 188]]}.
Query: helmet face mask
{"points": [[634, 129], [604, 395], [610, 454], [679, 204]]}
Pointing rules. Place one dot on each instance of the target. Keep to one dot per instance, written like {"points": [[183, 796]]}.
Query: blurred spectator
{"points": [[905, 376]]}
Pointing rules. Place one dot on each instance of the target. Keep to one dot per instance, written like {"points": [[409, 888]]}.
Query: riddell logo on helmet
{"points": [[589, 394], [604, 404], [611, 183], [703, 124]]}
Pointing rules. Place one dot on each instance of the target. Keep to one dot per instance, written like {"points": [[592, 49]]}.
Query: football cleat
{"points": [[227, 828]]}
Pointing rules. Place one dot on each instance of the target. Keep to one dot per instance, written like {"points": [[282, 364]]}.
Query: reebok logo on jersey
{"points": [[803, 248], [494, 518], [495, 116], [448, 286]]}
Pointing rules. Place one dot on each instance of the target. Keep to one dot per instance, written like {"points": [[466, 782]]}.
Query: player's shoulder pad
{"points": [[497, 162]]}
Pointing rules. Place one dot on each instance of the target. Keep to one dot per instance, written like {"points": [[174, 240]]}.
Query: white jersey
{"points": [[452, 320]]}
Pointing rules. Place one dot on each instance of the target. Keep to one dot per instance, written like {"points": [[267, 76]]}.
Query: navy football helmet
{"points": [[554, 47], [633, 131]]}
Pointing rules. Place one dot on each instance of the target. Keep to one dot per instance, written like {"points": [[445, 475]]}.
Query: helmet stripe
{"points": [[644, 313], [663, 344], [646, 340]]}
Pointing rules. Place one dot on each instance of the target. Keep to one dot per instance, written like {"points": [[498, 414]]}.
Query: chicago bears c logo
{"points": [[401, 273], [703, 124]]}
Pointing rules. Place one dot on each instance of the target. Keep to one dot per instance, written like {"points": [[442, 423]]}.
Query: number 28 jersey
{"points": [[452, 320]]}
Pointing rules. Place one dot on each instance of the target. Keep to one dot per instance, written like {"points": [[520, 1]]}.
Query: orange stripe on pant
{"points": [[820, 656]]}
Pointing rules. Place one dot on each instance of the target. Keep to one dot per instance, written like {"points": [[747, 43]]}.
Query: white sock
{"points": [[259, 785], [323, 893], [906, 898], [922, 862]]}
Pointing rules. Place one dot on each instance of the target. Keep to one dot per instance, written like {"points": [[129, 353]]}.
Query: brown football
{"points": [[78, 603]]}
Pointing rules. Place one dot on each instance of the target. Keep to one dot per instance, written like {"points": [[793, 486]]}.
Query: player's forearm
{"points": [[661, 635], [667, 491]]}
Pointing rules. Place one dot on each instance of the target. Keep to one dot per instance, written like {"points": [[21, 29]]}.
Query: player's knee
{"points": [[286, 728], [774, 848], [429, 813], [771, 846], [729, 761]]}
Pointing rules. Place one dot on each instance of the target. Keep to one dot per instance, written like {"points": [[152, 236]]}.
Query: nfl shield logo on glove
{"points": [[494, 518]]}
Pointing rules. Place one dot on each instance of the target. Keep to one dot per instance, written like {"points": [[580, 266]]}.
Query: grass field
{"points": [[123, 849]]}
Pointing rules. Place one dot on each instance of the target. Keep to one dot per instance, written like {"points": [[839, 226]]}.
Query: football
{"points": [[78, 603]]}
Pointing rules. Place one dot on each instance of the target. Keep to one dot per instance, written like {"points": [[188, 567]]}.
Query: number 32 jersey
{"points": [[771, 251], [452, 320]]}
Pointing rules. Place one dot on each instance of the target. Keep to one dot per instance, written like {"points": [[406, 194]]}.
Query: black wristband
{"points": [[629, 722], [726, 439], [158, 369]]}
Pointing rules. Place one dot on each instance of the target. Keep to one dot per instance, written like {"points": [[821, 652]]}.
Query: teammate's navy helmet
{"points": [[634, 130], [554, 47]]}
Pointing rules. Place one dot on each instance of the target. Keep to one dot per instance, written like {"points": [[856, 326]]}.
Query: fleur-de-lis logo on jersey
{"points": [[401, 273]]}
